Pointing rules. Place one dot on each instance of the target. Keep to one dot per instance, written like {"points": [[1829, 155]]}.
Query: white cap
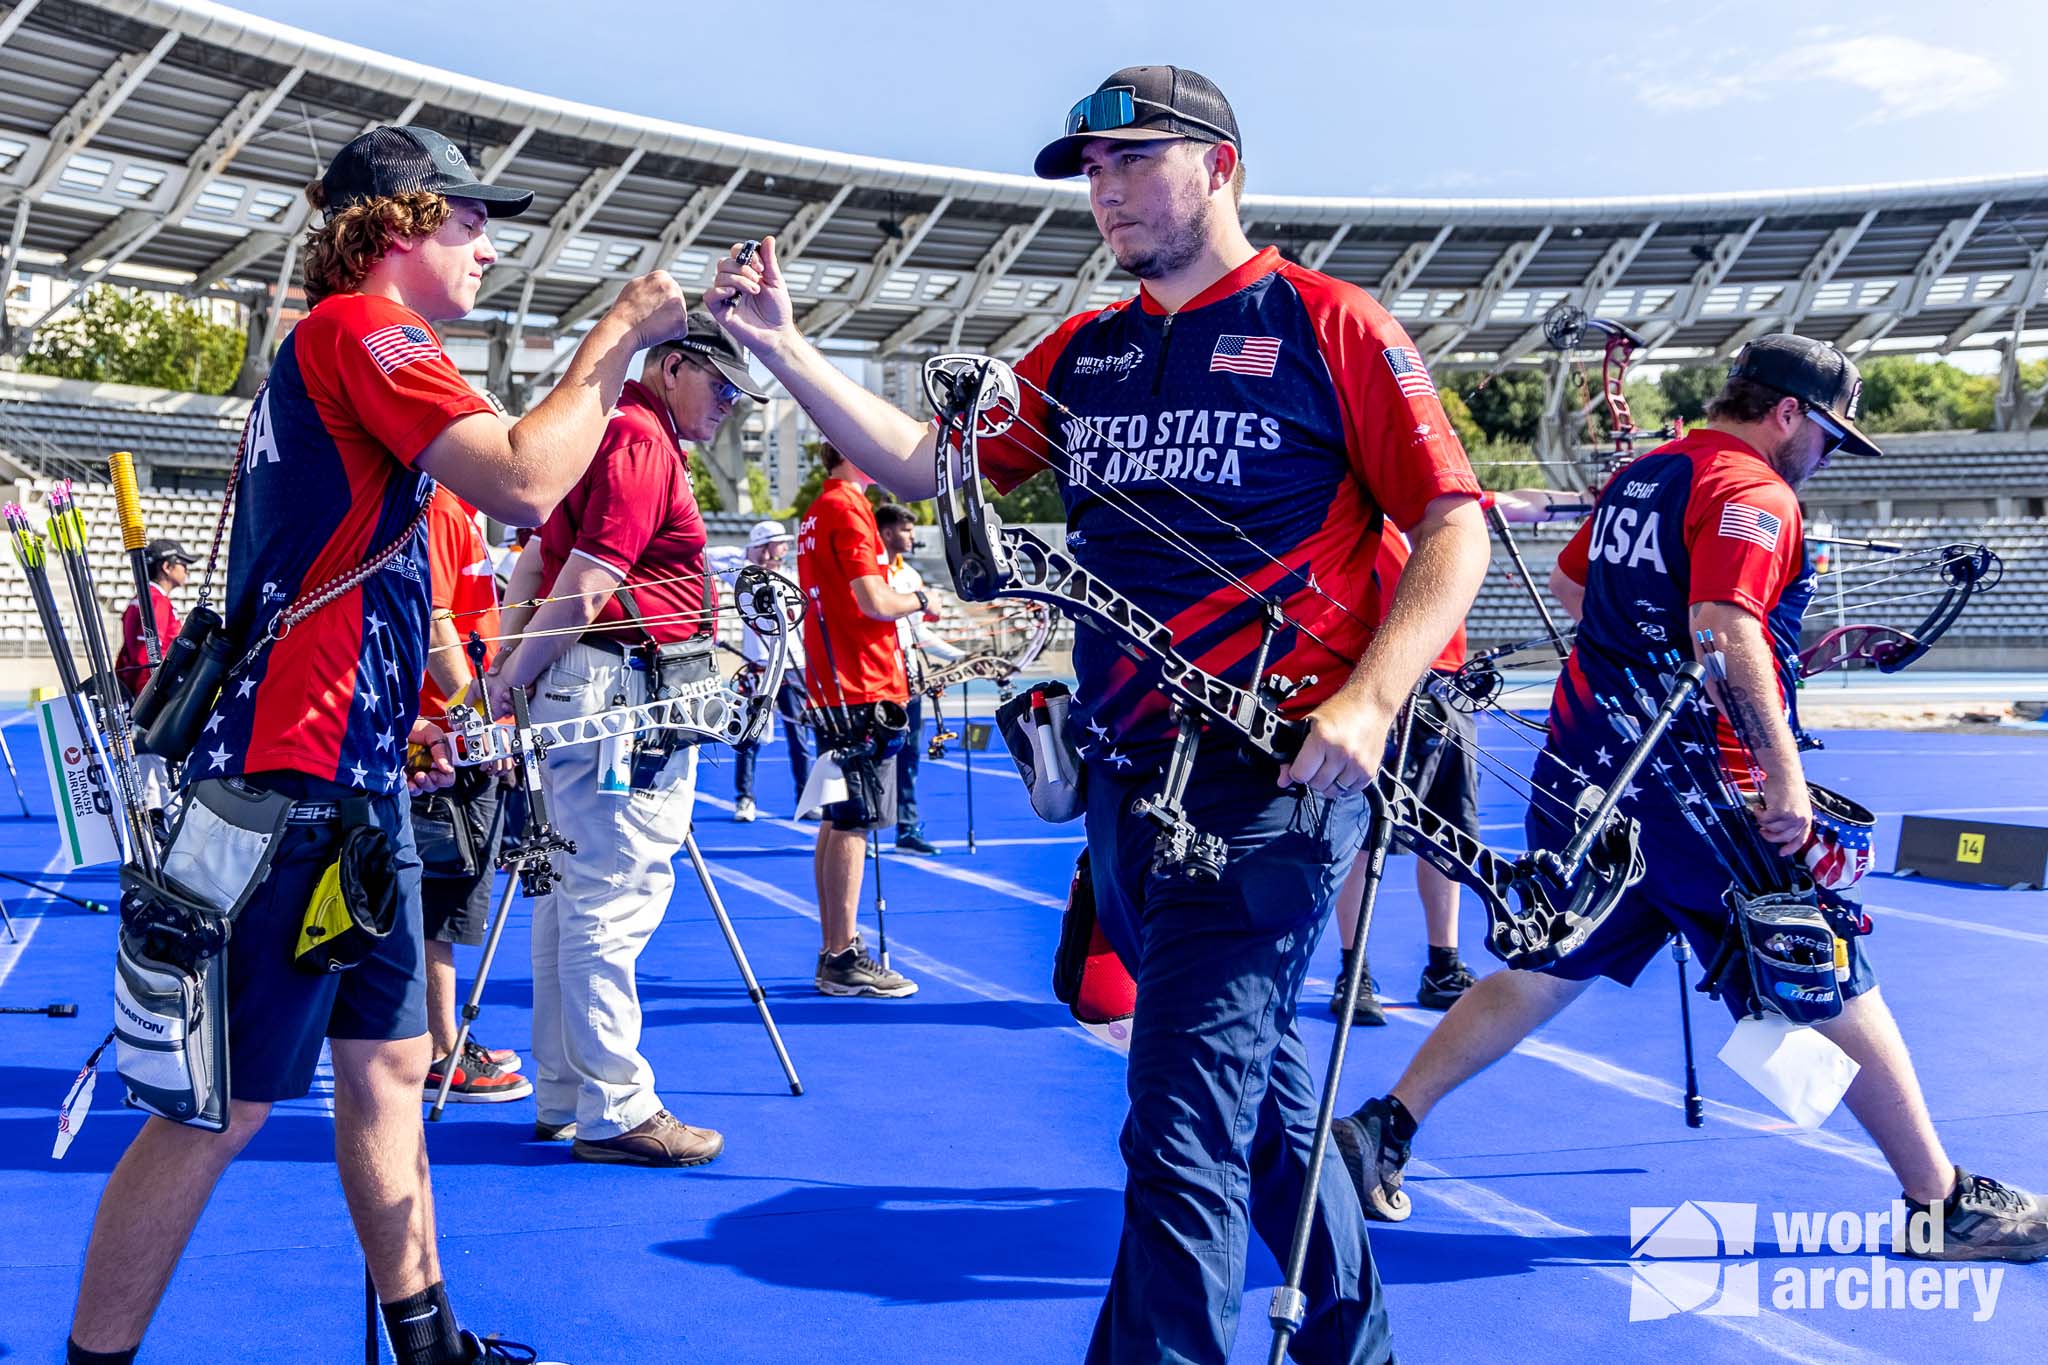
{"points": [[765, 533]]}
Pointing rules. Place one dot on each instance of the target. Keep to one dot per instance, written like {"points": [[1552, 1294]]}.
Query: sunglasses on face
{"points": [[1829, 428], [723, 389], [1117, 107]]}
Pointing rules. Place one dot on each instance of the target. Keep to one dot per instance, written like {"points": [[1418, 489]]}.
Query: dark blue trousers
{"points": [[907, 821], [1223, 1099], [789, 701]]}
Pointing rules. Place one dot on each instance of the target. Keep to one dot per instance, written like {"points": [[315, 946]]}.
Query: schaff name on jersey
{"points": [[1627, 535], [1192, 445]]}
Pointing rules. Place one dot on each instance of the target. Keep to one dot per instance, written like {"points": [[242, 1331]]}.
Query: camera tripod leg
{"points": [[8, 754], [739, 957], [473, 1006]]}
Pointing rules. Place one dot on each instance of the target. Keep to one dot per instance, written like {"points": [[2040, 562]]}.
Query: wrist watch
{"points": [[924, 604]]}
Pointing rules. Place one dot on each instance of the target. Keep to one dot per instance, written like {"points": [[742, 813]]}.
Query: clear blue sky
{"points": [[1455, 98]]}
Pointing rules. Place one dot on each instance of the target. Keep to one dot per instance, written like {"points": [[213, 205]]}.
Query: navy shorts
{"points": [[1681, 893], [278, 1015], [848, 815]]}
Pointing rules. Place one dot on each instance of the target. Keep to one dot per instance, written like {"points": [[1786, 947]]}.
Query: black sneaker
{"points": [[1375, 1158], [1367, 1010], [914, 842], [1988, 1220], [495, 1350], [478, 1080], [853, 972], [1440, 990]]}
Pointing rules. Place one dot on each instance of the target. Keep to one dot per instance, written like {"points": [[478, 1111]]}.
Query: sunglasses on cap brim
{"points": [[1117, 107]]}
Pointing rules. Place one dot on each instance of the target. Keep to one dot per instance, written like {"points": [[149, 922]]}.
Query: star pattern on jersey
{"points": [[1691, 746], [218, 756], [1097, 730], [391, 668], [376, 624], [391, 778], [1693, 796], [360, 774], [1119, 759], [244, 688], [1602, 757], [1631, 792], [213, 722], [370, 696], [385, 738]]}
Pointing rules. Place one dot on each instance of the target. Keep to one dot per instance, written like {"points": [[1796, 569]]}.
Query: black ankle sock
{"points": [[422, 1328], [1442, 959], [1404, 1122], [74, 1354]]}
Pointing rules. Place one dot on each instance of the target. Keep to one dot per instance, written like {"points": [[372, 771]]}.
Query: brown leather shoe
{"points": [[663, 1140]]}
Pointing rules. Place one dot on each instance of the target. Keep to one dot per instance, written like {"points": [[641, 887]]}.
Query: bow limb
{"points": [[1962, 570]]}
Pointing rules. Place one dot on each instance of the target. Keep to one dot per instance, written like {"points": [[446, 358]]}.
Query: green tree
{"points": [[1036, 499], [1500, 463], [1901, 393], [124, 336], [709, 499], [757, 490], [1686, 389], [1510, 405]]}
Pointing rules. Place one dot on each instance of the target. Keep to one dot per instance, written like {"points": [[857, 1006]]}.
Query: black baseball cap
{"points": [[399, 160], [1141, 104], [1813, 372], [160, 552], [706, 338]]}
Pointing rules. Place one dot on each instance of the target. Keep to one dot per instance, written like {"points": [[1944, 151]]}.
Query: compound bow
{"points": [[1959, 571], [1540, 905], [713, 708]]}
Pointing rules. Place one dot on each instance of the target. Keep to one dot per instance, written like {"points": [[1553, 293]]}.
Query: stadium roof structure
{"points": [[167, 141]]}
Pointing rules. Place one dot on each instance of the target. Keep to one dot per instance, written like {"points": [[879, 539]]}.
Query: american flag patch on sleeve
{"points": [[399, 345], [1246, 355], [1740, 521], [1409, 372]]}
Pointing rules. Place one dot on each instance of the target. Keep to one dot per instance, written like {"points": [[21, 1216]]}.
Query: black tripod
{"points": [[1290, 1305]]}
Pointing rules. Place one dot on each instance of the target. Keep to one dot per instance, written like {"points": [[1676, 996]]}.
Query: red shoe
{"points": [[478, 1080]]}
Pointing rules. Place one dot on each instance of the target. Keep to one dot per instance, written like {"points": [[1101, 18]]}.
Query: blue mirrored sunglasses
{"points": [[723, 389], [1117, 107], [1829, 428]]}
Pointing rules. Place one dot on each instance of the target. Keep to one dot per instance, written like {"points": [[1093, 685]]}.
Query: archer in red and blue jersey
{"points": [[1233, 437]]}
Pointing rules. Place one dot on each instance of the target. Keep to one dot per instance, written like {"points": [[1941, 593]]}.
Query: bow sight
{"points": [[1540, 905]]}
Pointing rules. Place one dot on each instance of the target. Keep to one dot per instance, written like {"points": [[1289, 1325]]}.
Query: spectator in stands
{"points": [[459, 830], [855, 671], [168, 567], [767, 545], [921, 649], [622, 564], [363, 412], [1443, 772]]}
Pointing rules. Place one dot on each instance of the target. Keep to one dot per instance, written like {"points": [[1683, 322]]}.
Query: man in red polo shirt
{"points": [[852, 661], [622, 565]]}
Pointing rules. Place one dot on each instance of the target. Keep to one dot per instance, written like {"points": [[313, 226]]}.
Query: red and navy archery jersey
{"points": [[359, 389], [1700, 519], [1253, 439]]}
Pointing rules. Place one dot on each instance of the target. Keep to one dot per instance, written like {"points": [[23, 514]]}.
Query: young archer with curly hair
{"points": [[362, 407]]}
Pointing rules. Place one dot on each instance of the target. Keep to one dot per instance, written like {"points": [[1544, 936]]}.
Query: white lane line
{"points": [[1600, 1071], [1968, 926], [1782, 1336], [25, 929], [1967, 810], [999, 885], [911, 957], [1000, 769]]}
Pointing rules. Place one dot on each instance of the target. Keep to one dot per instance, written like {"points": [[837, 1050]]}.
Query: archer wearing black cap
{"points": [[362, 406], [1699, 545], [1238, 390]]}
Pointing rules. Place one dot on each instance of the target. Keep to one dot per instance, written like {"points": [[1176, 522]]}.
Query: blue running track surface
{"points": [[948, 1187]]}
